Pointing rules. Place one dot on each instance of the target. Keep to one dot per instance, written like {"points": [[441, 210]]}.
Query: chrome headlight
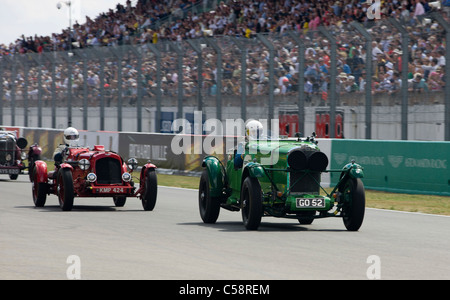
{"points": [[84, 164], [23, 156], [132, 164], [91, 177], [126, 177]]}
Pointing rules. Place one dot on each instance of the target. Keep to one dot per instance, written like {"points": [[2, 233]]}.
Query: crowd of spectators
{"points": [[151, 21]]}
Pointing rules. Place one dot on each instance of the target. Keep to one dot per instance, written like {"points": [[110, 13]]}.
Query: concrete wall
{"points": [[425, 122]]}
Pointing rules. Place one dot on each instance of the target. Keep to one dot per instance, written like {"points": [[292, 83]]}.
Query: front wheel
{"points": [[65, 189], [151, 191], [354, 206], [209, 206], [251, 203], [39, 191]]}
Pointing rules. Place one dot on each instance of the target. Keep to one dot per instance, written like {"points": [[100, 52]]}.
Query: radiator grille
{"points": [[308, 184], [7, 147], [109, 171]]}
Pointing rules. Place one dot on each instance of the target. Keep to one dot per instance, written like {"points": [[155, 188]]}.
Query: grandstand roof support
{"points": [[52, 60], [157, 54], [404, 76], [85, 92], [68, 57], [446, 26], [102, 84], [301, 81], [138, 53], [243, 49], [198, 50], [271, 49], [23, 60], [210, 42], [179, 52], [333, 75], [13, 65], [38, 60], [369, 72], [2, 92], [118, 54]]}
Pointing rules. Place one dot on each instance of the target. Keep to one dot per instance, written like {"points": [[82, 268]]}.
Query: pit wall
{"points": [[394, 166]]}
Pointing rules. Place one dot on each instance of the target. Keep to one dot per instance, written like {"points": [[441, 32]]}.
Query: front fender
{"points": [[145, 168], [66, 166], [40, 168], [354, 170], [216, 175], [254, 170], [35, 150]]}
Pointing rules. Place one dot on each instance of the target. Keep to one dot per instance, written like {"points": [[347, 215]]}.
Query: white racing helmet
{"points": [[71, 137], [253, 130]]}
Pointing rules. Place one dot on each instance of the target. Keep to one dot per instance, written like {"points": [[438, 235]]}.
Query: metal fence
{"points": [[231, 77]]}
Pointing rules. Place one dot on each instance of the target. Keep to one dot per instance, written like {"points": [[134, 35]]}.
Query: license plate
{"points": [[111, 190], [310, 202], [9, 171]]}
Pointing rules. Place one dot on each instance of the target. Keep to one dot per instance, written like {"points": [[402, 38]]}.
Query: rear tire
{"points": [[65, 189], [119, 201], [209, 206], [251, 203], [306, 218]]}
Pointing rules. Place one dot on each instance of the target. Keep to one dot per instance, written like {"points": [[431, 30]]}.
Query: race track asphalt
{"points": [[172, 242]]}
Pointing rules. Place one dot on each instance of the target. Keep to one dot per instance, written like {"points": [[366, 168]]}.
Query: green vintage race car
{"points": [[280, 178]]}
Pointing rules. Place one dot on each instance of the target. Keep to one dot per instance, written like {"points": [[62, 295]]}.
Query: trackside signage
{"points": [[398, 166]]}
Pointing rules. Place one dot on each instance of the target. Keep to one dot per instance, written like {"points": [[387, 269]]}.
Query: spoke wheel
{"points": [[65, 189], [39, 191], [251, 203], [354, 199], [209, 206], [151, 191]]}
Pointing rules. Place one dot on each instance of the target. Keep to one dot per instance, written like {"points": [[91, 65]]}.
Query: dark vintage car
{"points": [[281, 178], [12, 155], [93, 173]]}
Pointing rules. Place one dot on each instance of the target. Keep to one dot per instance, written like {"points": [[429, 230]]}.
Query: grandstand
{"points": [[109, 68]]}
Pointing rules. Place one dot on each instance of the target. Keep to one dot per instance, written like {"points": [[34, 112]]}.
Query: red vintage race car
{"points": [[93, 173]]}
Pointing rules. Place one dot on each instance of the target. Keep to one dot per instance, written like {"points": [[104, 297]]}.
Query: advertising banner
{"points": [[47, 139], [175, 152], [397, 166]]}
